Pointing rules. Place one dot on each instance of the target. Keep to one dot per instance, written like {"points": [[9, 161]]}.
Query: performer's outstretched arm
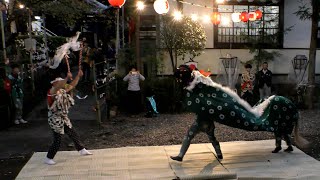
{"points": [[74, 83]]}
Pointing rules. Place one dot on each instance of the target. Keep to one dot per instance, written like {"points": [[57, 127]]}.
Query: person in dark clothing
{"points": [[5, 99], [264, 81]]}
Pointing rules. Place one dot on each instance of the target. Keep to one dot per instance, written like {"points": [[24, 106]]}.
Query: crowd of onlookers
{"points": [[11, 94]]}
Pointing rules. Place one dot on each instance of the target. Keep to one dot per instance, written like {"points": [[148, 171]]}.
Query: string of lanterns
{"points": [[162, 7]]}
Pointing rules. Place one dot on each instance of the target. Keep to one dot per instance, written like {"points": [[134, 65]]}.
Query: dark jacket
{"points": [[264, 78]]}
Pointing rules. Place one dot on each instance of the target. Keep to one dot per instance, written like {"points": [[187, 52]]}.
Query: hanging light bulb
{"points": [[161, 6], [235, 17], [177, 15], [219, 1], [21, 6], [140, 5], [194, 17], [206, 19]]}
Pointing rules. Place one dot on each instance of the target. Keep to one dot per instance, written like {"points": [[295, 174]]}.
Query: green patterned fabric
{"points": [[216, 103], [17, 87]]}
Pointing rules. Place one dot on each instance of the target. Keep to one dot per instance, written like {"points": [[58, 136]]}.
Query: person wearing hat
{"points": [[59, 102]]}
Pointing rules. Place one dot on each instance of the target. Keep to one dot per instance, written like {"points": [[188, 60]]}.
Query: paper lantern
{"points": [[244, 17], [215, 18], [235, 17], [117, 3], [258, 14], [161, 6], [252, 16]]}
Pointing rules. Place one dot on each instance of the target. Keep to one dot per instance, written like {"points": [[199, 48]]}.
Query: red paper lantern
{"points": [[244, 16], [117, 3], [258, 14], [215, 18]]}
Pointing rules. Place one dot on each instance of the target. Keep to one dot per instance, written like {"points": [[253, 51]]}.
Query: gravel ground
{"points": [[169, 129]]}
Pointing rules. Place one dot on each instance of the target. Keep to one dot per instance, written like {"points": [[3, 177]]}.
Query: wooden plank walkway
{"points": [[242, 160]]}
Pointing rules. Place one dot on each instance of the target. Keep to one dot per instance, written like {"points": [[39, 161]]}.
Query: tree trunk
{"points": [[312, 54], [175, 60], [172, 60]]}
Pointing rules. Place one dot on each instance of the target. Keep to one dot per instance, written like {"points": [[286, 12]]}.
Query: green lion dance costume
{"points": [[213, 102]]}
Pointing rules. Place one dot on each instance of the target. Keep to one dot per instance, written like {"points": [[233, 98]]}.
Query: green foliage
{"points": [[181, 38], [305, 11], [258, 46], [66, 11], [126, 57]]}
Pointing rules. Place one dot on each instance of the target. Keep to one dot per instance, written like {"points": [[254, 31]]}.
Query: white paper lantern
{"points": [[235, 17], [161, 6]]}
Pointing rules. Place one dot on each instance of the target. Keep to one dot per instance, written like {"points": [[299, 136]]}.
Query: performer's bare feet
{"points": [[176, 158], [289, 149], [277, 149]]}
